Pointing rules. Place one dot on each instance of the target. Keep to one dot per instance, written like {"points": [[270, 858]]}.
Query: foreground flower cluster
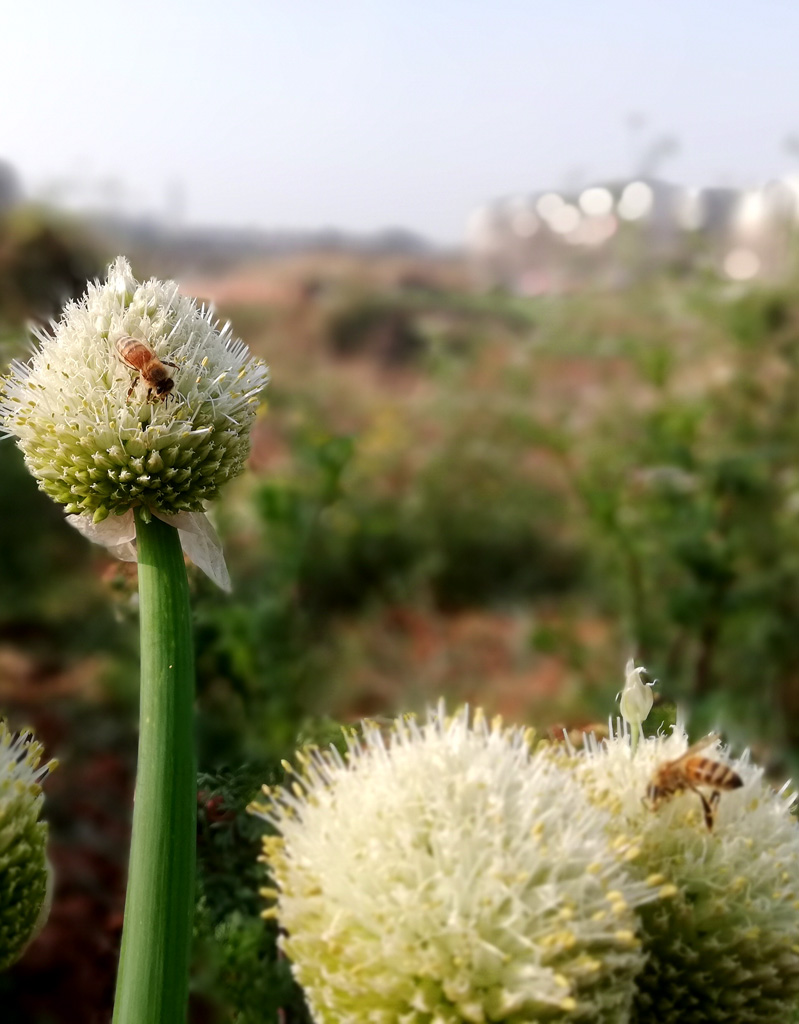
{"points": [[450, 872], [24, 872], [447, 873]]}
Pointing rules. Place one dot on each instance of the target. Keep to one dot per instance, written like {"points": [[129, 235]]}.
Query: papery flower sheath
{"points": [[444, 872], [102, 442], [24, 871]]}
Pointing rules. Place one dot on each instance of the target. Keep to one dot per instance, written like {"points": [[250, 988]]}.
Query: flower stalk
{"points": [[136, 473], [152, 984]]}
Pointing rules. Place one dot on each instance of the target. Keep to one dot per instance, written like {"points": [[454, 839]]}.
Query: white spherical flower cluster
{"points": [[96, 433], [443, 873], [24, 872], [724, 949]]}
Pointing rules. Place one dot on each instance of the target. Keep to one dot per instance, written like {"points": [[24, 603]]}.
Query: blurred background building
{"points": [[613, 233]]}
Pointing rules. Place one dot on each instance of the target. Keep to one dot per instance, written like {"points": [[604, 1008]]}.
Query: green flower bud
{"points": [[24, 872]]}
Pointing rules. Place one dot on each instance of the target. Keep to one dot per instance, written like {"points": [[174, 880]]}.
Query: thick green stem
{"points": [[152, 983]]}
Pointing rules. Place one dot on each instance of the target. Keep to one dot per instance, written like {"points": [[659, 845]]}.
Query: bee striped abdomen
{"points": [[134, 352], [702, 771]]}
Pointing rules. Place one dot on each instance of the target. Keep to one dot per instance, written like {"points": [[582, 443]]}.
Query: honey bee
{"points": [[153, 371], [690, 771]]}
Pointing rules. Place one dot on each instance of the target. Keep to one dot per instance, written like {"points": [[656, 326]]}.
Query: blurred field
{"points": [[451, 492]]}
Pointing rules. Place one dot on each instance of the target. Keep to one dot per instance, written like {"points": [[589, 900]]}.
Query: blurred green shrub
{"points": [[758, 314], [237, 966], [468, 529], [692, 495], [45, 260], [260, 652], [376, 326], [47, 581], [51, 598], [397, 327]]}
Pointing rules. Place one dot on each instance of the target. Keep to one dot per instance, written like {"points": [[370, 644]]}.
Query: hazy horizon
{"points": [[373, 115]]}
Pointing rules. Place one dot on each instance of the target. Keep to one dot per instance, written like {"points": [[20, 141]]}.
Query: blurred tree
{"points": [[10, 187]]}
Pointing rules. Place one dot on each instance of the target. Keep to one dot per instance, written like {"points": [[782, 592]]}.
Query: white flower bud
{"points": [[636, 697]]}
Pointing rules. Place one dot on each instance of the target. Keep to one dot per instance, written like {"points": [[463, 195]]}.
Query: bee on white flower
{"points": [[100, 452]]}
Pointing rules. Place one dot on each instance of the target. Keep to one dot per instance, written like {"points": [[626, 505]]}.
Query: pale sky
{"points": [[361, 115]]}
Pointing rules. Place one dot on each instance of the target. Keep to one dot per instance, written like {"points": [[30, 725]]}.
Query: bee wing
{"points": [[695, 748], [120, 346]]}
